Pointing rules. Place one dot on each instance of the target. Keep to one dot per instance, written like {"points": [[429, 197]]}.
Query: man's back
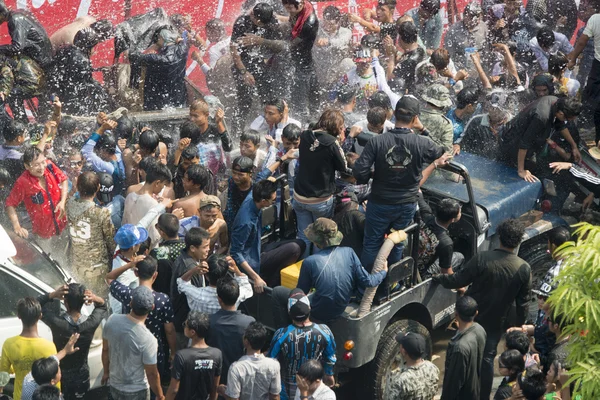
{"points": [[19, 353], [226, 334], [463, 364], [196, 369], [131, 346], [414, 383], [253, 377]]}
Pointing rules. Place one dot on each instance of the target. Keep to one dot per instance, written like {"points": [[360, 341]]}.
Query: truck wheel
{"points": [[388, 357], [537, 256]]}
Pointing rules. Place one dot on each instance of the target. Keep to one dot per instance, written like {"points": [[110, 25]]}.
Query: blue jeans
{"points": [[380, 218], [306, 214]]}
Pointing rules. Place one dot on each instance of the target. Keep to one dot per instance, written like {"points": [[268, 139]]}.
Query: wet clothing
{"points": [[11, 160], [115, 167], [39, 202], [439, 127], [405, 70], [431, 30], [165, 254], [337, 275], [91, 232], [294, 345], [211, 148], [181, 308], [463, 364], [479, 138], [443, 247], [164, 85], [414, 383], [28, 38], [458, 38], [253, 377]]}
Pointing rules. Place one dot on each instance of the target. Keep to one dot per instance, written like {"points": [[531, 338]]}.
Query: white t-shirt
{"points": [[127, 278], [592, 30], [136, 207]]}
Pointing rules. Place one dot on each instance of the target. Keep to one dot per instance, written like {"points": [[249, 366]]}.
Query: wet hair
{"points": [[263, 12], [332, 13], [198, 175], [291, 132], [440, 59], [570, 106], [251, 136], [511, 233], [466, 308], [311, 370], [370, 41], [228, 291], [86, 39], [469, 95], [559, 235], [29, 311], [106, 143], [263, 190], [104, 28], [145, 246], [46, 392], [199, 322], [217, 268], [75, 297], [432, 6], [256, 334], [557, 63], [125, 128], [390, 4], [517, 340], [532, 383], [376, 116], [402, 115], [44, 370], [408, 32], [346, 94], [331, 121], [200, 104], [88, 184], [190, 130], [148, 163], [189, 153], [277, 103], [447, 209], [146, 268], [149, 141], [216, 25], [31, 154], [513, 361], [195, 236], [169, 224], [5, 177], [545, 37], [543, 80], [380, 99], [158, 172], [245, 163], [66, 126]]}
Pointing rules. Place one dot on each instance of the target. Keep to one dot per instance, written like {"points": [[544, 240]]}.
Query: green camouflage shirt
{"points": [[439, 127]]}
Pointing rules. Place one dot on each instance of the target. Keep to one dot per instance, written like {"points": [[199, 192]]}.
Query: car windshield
{"points": [[30, 260]]}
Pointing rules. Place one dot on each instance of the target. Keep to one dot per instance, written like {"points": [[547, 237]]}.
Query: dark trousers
{"points": [[591, 94], [305, 93], [487, 364], [245, 96], [277, 256], [75, 383]]}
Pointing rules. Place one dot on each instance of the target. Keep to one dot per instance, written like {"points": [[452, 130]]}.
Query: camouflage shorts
{"points": [[93, 279]]}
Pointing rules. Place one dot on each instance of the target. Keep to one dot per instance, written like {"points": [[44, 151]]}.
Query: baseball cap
{"points": [[298, 305], [129, 235], [142, 300], [106, 187], [362, 56], [413, 343], [210, 200], [409, 105]]}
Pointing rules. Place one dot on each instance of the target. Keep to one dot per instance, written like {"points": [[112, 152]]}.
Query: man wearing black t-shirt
{"points": [[249, 68], [196, 370], [436, 248]]}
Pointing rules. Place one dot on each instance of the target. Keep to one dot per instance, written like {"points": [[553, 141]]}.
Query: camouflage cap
{"points": [[438, 95], [324, 233]]}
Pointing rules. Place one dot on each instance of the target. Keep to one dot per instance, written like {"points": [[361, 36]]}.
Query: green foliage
{"points": [[577, 298]]}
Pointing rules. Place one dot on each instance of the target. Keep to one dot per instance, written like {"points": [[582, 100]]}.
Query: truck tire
{"points": [[388, 355], [537, 256]]}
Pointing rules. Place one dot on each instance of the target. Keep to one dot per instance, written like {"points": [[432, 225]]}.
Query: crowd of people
{"points": [[165, 232]]}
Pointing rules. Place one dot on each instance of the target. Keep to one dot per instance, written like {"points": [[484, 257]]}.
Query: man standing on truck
{"points": [[301, 341], [399, 157], [497, 278]]}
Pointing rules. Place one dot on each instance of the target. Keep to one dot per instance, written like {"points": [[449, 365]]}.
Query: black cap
{"points": [[413, 343], [408, 105], [105, 194]]}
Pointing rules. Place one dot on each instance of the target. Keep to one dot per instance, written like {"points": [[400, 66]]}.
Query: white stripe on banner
{"points": [[189, 69], [84, 8], [219, 8]]}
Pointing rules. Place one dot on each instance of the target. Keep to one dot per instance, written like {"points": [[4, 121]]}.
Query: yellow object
{"points": [[290, 275]]}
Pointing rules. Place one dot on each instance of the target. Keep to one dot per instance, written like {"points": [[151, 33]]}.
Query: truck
{"points": [[489, 193]]}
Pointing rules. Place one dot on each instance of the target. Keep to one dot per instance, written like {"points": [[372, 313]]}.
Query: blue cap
{"points": [[129, 235]]}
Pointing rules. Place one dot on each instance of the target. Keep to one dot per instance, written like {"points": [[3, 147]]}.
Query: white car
{"points": [[25, 270]]}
